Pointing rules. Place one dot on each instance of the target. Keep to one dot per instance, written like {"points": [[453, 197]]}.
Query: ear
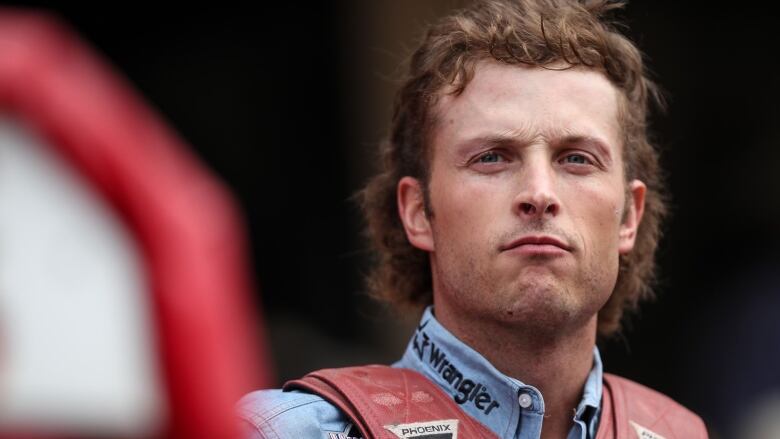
{"points": [[411, 207], [632, 218]]}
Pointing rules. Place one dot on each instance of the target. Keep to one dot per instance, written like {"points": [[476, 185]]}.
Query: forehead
{"points": [[530, 102]]}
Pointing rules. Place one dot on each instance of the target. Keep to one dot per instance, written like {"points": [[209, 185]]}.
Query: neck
{"points": [[556, 364]]}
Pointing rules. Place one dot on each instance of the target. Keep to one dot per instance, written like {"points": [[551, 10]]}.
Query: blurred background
{"points": [[287, 104]]}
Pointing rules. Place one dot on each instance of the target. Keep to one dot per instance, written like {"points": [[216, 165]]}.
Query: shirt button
{"points": [[525, 400]]}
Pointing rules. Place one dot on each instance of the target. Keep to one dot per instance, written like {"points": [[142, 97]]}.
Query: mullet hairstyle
{"points": [[531, 33]]}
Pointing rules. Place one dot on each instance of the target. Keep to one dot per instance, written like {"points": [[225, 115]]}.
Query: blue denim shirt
{"points": [[507, 406]]}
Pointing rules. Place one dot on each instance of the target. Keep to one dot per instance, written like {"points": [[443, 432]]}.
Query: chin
{"points": [[543, 304]]}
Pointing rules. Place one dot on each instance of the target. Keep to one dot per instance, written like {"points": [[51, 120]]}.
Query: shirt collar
{"points": [[498, 401], [591, 395]]}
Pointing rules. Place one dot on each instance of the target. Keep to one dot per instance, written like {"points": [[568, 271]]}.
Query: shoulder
{"points": [[648, 408], [272, 414]]}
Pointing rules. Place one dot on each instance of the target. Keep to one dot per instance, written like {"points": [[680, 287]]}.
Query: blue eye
{"points": [[489, 157], [577, 159]]}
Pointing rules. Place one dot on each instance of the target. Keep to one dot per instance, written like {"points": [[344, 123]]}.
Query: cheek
{"points": [[597, 215], [466, 205], [597, 222], [456, 225]]}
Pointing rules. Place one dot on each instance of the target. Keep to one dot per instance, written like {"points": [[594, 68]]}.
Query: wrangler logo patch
{"points": [[444, 429], [643, 433], [465, 390]]}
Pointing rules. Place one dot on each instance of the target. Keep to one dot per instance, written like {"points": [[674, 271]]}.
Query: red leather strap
{"points": [[627, 405], [376, 396], [608, 417]]}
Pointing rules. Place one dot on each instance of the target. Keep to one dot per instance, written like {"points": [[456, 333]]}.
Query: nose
{"points": [[536, 197]]}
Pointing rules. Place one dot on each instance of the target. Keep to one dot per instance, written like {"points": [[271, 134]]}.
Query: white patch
{"points": [[444, 429], [644, 433], [348, 433]]}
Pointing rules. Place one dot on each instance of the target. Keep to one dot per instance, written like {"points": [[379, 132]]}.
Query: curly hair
{"points": [[537, 33]]}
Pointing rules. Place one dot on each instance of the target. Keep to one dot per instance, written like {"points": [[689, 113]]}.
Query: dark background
{"points": [[287, 102]]}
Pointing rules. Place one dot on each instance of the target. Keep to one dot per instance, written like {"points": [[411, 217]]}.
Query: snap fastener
{"points": [[525, 400]]}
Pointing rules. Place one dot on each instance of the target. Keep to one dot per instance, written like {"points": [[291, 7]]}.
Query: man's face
{"points": [[527, 197]]}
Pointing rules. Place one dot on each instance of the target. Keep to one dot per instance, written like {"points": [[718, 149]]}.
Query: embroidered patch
{"points": [[644, 433], [444, 429], [466, 389], [351, 432]]}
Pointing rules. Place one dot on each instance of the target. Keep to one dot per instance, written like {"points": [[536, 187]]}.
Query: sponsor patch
{"points": [[444, 429], [464, 389], [351, 432], [643, 433]]}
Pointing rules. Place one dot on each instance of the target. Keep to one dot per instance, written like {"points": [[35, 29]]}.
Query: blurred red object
{"points": [[184, 221]]}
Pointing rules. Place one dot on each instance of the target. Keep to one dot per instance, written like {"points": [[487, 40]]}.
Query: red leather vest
{"points": [[382, 401]]}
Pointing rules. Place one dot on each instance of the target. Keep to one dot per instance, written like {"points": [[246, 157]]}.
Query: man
{"points": [[521, 198]]}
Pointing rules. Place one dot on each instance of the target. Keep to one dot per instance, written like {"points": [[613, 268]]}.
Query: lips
{"points": [[537, 242]]}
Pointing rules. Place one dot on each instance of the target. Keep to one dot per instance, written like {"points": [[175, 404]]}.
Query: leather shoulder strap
{"points": [[387, 403], [631, 410]]}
